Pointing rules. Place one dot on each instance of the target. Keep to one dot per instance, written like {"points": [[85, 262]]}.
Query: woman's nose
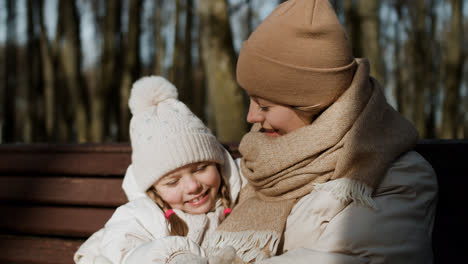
{"points": [[254, 115]]}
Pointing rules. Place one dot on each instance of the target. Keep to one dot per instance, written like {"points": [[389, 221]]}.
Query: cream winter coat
{"points": [[138, 232], [321, 229]]}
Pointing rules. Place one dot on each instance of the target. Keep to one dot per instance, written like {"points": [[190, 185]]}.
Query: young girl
{"points": [[180, 185]]}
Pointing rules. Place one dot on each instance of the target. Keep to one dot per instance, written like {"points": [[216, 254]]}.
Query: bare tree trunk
{"points": [[352, 26], [397, 75], [9, 126], [453, 69], [63, 119], [182, 55], [48, 72], [433, 73], [198, 85], [64, 113], [248, 19], [101, 94], [198, 76], [158, 67], [188, 94], [181, 60], [218, 58], [178, 50], [369, 32], [2, 92], [71, 63], [25, 85], [419, 52], [130, 66], [34, 70], [465, 112]]}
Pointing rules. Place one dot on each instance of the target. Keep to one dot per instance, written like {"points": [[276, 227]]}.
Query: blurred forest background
{"points": [[66, 66]]}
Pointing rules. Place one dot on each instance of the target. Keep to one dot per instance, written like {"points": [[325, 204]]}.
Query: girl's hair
{"points": [[178, 226]]}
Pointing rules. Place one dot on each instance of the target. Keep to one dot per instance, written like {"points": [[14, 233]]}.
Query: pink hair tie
{"points": [[227, 211], [168, 213]]}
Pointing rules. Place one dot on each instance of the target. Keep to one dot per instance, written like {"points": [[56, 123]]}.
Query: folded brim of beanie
{"points": [[290, 84], [153, 161]]}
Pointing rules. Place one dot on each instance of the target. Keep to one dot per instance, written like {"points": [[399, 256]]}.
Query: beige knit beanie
{"points": [[299, 56], [165, 134]]}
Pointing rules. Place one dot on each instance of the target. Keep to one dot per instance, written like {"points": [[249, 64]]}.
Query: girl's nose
{"points": [[192, 185], [254, 115]]}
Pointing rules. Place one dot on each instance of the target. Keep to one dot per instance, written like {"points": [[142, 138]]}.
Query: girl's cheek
{"points": [[171, 195], [211, 176]]}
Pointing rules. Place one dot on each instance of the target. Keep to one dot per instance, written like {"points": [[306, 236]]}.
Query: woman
{"points": [[332, 177]]}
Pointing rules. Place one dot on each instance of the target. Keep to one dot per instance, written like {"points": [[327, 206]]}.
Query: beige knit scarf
{"points": [[346, 151]]}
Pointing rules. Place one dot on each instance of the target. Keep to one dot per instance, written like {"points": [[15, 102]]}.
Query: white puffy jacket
{"points": [[321, 229], [138, 232]]}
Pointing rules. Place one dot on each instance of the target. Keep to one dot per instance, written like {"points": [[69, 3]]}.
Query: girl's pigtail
{"points": [[178, 226], [225, 198]]}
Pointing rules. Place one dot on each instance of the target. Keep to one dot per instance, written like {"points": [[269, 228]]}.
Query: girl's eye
{"points": [[171, 182], [201, 167]]}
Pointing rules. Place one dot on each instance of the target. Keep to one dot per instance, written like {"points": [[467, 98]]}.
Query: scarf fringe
{"points": [[248, 244], [346, 190]]}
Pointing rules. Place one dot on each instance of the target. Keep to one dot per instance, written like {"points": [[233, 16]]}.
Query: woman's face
{"points": [[192, 188], [276, 119]]}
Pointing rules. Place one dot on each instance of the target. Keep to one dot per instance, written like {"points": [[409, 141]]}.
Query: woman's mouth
{"points": [[270, 132], [199, 199]]}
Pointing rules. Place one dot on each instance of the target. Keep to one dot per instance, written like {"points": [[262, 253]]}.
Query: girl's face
{"points": [[276, 119], [192, 188]]}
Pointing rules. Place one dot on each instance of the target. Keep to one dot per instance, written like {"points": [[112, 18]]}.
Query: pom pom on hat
{"points": [[150, 91]]}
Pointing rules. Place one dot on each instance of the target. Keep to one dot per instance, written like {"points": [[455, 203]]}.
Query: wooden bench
{"points": [[55, 196]]}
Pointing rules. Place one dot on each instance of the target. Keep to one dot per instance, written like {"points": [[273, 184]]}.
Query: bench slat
{"points": [[19, 249], [112, 159], [63, 190], [47, 220]]}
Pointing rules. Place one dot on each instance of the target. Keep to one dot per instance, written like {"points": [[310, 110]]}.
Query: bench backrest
{"points": [[54, 196]]}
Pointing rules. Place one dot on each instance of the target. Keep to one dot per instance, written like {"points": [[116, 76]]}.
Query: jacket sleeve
{"points": [[131, 225], [323, 230], [137, 232], [166, 251], [89, 250]]}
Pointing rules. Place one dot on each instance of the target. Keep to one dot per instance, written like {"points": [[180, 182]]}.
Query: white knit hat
{"points": [[164, 133]]}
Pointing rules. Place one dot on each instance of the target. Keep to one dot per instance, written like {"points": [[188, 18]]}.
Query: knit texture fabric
{"points": [[345, 151], [299, 56], [165, 134]]}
